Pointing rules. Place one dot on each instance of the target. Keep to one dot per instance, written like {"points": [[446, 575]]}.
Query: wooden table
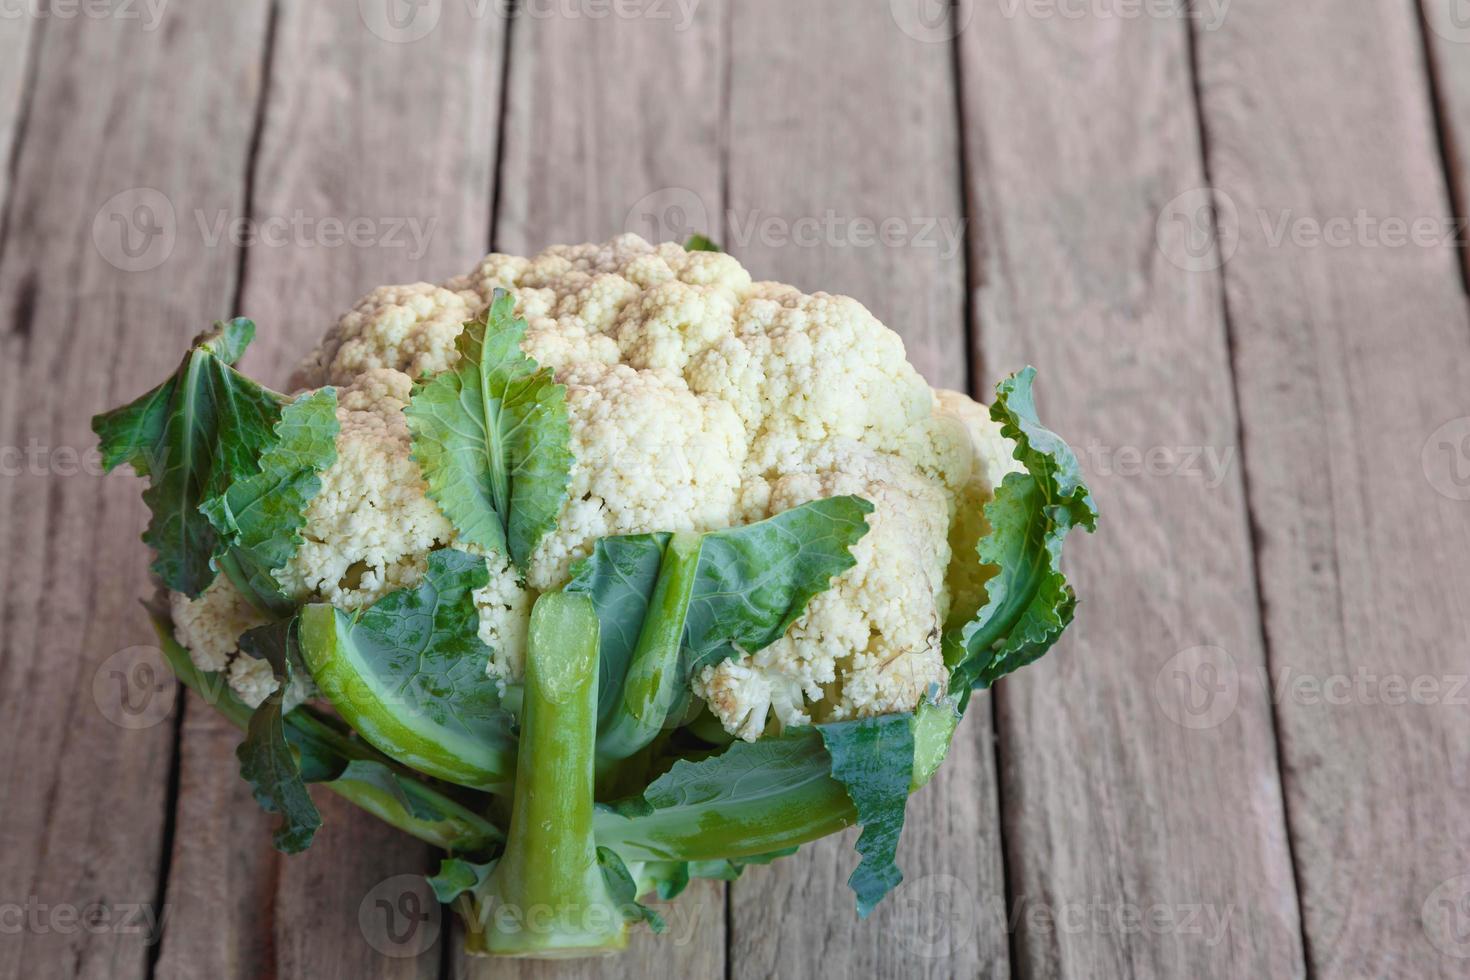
{"points": [[1248, 759]]}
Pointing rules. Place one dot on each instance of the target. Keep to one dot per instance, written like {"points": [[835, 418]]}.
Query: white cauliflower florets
{"points": [[698, 399]]}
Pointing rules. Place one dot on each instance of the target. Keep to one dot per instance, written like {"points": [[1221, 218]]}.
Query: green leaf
{"points": [[267, 762], [457, 877], [1028, 600], [623, 891], [492, 438], [409, 674], [193, 436], [752, 583], [755, 581], [260, 517], [873, 758], [700, 243], [752, 799]]}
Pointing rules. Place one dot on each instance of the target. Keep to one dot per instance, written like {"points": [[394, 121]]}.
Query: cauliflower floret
{"points": [[648, 455], [697, 399], [407, 328], [210, 626], [504, 605], [985, 457], [871, 643], [370, 528], [253, 680]]}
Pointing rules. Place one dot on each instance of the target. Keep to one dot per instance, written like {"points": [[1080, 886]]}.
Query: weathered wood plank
{"points": [[15, 44], [816, 152], [1144, 826], [613, 124], [1446, 31], [1353, 358], [395, 138], [99, 293]]}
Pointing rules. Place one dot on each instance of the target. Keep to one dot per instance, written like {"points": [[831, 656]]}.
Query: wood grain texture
{"points": [[1144, 826], [1353, 359], [355, 131], [837, 147], [1445, 25], [99, 294], [15, 48], [612, 123]]}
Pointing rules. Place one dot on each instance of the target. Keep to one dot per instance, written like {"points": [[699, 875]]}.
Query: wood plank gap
{"points": [[502, 113], [22, 124], [1444, 136], [252, 161], [1252, 525], [170, 827], [974, 372]]}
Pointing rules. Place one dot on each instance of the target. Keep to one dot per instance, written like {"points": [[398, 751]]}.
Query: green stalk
{"points": [[653, 682], [547, 896]]}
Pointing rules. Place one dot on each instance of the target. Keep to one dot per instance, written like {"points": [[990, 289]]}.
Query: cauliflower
{"points": [[697, 399]]}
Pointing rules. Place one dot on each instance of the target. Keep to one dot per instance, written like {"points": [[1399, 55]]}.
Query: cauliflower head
{"points": [[698, 399]]}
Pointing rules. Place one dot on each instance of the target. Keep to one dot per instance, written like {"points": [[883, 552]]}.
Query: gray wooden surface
{"points": [[1227, 237]]}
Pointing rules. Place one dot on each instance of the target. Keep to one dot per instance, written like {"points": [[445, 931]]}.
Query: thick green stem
{"points": [[654, 683], [547, 896]]}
